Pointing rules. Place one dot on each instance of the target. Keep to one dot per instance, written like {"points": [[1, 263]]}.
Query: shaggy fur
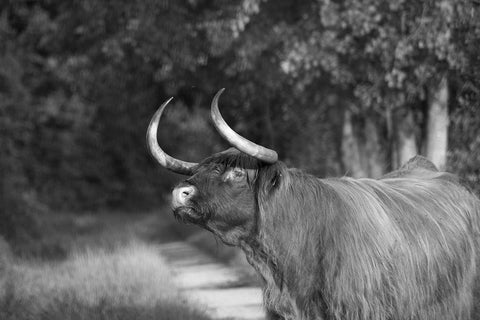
{"points": [[401, 247]]}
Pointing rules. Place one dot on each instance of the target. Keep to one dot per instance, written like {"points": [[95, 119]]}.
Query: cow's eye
{"points": [[235, 174], [238, 173]]}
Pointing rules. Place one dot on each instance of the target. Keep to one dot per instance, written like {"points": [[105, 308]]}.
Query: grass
{"points": [[108, 273]]}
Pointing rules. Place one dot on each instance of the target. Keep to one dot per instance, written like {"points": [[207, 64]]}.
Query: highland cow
{"points": [[400, 247]]}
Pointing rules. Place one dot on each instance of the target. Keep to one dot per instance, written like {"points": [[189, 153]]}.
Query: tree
{"points": [[390, 56], [335, 87]]}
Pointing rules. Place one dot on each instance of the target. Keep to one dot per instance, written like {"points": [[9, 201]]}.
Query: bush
{"points": [[19, 225], [464, 139]]}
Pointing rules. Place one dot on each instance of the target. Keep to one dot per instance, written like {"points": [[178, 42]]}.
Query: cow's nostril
{"points": [[187, 192], [181, 195]]}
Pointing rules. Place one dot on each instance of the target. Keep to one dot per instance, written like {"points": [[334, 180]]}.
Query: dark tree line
{"points": [[335, 86]]}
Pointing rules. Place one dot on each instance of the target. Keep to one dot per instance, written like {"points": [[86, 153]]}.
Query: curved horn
{"points": [[236, 140], [164, 159]]}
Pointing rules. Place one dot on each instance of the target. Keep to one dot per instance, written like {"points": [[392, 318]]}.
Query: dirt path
{"points": [[204, 280], [212, 284]]}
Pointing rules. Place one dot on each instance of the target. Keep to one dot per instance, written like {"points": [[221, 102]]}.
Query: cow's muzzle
{"points": [[181, 195], [182, 207]]}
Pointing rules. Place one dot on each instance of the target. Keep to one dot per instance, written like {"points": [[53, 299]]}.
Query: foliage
{"points": [[465, 126], [79, 81]]}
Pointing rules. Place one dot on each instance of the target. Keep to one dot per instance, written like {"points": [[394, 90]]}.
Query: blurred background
{"points": [[336, 87]]}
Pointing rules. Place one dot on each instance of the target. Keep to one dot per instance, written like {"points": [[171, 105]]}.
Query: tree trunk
{"points": [[405, 141], [350, 151], [437, 124], [374, 157]]}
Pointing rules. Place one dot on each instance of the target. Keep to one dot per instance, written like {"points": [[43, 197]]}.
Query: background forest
{"points": [[336, 87]]}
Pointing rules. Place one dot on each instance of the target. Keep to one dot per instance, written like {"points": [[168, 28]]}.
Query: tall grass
{"points": [[129, 282]]}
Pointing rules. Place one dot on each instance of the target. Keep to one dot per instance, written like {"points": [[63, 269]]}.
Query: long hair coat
{"points": [[401, 247]]}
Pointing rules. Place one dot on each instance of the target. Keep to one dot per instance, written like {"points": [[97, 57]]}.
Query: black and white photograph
{"points": [[239, 160]]}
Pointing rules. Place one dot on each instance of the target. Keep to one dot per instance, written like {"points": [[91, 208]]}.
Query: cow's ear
{"points": [[272, 181], [276, 179], [270, 178]]}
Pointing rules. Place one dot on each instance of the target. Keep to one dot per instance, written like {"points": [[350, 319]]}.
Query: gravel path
{"points": [[212, 284]]}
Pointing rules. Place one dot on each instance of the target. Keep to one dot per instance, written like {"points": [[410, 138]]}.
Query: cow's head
{"points": [[221, 192]]}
